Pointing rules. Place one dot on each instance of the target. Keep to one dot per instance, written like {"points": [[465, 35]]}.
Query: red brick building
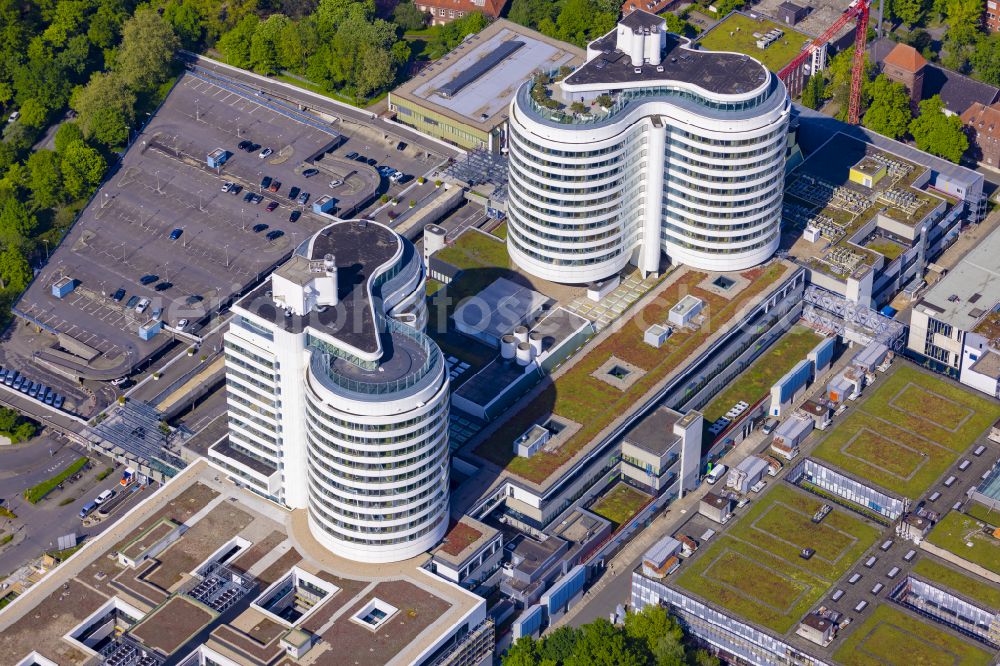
{"points": [[651, 6], [444, 11], [905, 65], [991, 17], [982, 123]]}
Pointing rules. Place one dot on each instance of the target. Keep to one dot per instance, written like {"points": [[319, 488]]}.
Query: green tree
{"points": [[33, 113], [678, 25], [264, 54], [106, 24], [985, 58], [17, 223], [963, 18], [524, 652], [409, 18], [107, 108], [15, 272], [446, 37], [67, 133], [147, 49], [532, 13], [659, 632], [888, 107], [812, 92], [602, 644], [187, 20], [45, 178], [560, 644], [235, 44], [82, 167], [910, 12], [938, 133]]}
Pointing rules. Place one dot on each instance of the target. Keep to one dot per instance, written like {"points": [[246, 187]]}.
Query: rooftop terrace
{"points": [[821, 194]]}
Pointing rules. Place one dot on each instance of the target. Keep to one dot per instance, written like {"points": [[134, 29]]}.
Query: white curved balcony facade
{"points": [[673, 167]]}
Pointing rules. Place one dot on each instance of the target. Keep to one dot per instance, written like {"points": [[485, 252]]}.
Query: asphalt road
{"points": [[38, 526]]}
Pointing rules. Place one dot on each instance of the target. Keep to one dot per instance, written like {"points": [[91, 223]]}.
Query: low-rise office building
{"points": [[463, 97], [663, 452], [955, 326]]}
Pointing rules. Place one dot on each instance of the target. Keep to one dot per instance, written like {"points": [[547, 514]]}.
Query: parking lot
{"points": [[163, 214]]}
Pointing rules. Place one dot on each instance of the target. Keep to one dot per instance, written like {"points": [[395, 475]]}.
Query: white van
{"points": [[104, 497], [715, 474]]}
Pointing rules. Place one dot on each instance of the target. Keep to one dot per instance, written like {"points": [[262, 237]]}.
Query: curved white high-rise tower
{"points": [[686, 156], [338, 401]]}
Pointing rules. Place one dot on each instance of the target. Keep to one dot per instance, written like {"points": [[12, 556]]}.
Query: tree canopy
{"points": [[938, 133], [650, 637], [888, 107]]}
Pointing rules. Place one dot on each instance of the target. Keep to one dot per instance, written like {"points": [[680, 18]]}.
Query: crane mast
{"points": [[792, 73]]}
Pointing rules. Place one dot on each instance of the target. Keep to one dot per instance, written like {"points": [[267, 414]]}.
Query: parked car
{"points": [[235, 189], [131, 302], [294, 192], [275, 235], [253, 147], [58, 402], [88, 508], [309, 173], [148, 279], [226, 186], [271, 206], [257, 198], [265, 182], [181, 325], [401, 145], [294, 216], [303, 198], [141, 306], [104, 496], [372, 161], [33, 391], [50, 397], [275, 186], [248, 196], [361, 158], [265, 153], [353, 155], [336, 182], [163, 286], [175, 234], [157, 313], [118, 295], [243, 145], [257, 228], [13, 116], [396, 177]]}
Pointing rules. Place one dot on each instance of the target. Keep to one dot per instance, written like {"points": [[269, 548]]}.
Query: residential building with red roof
{"points": [[445, 11]]}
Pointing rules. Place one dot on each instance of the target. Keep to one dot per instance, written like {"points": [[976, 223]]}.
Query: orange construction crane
{"points": [[793, 74]]}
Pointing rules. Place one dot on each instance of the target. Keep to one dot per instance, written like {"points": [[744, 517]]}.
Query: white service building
{"points": [[338, 402], [687, 158]]}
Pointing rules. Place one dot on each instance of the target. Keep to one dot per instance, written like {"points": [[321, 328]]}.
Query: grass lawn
{"points": [[620, 503], [964, 584], [956, 530], [907, 433], [754, 570], [474, 249], [887, 248], [754, 383], [736, 34], [500, 231], [482, 259], [431, 286], [37, 492], [890, 637], [594, 403], [980, 512]]}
